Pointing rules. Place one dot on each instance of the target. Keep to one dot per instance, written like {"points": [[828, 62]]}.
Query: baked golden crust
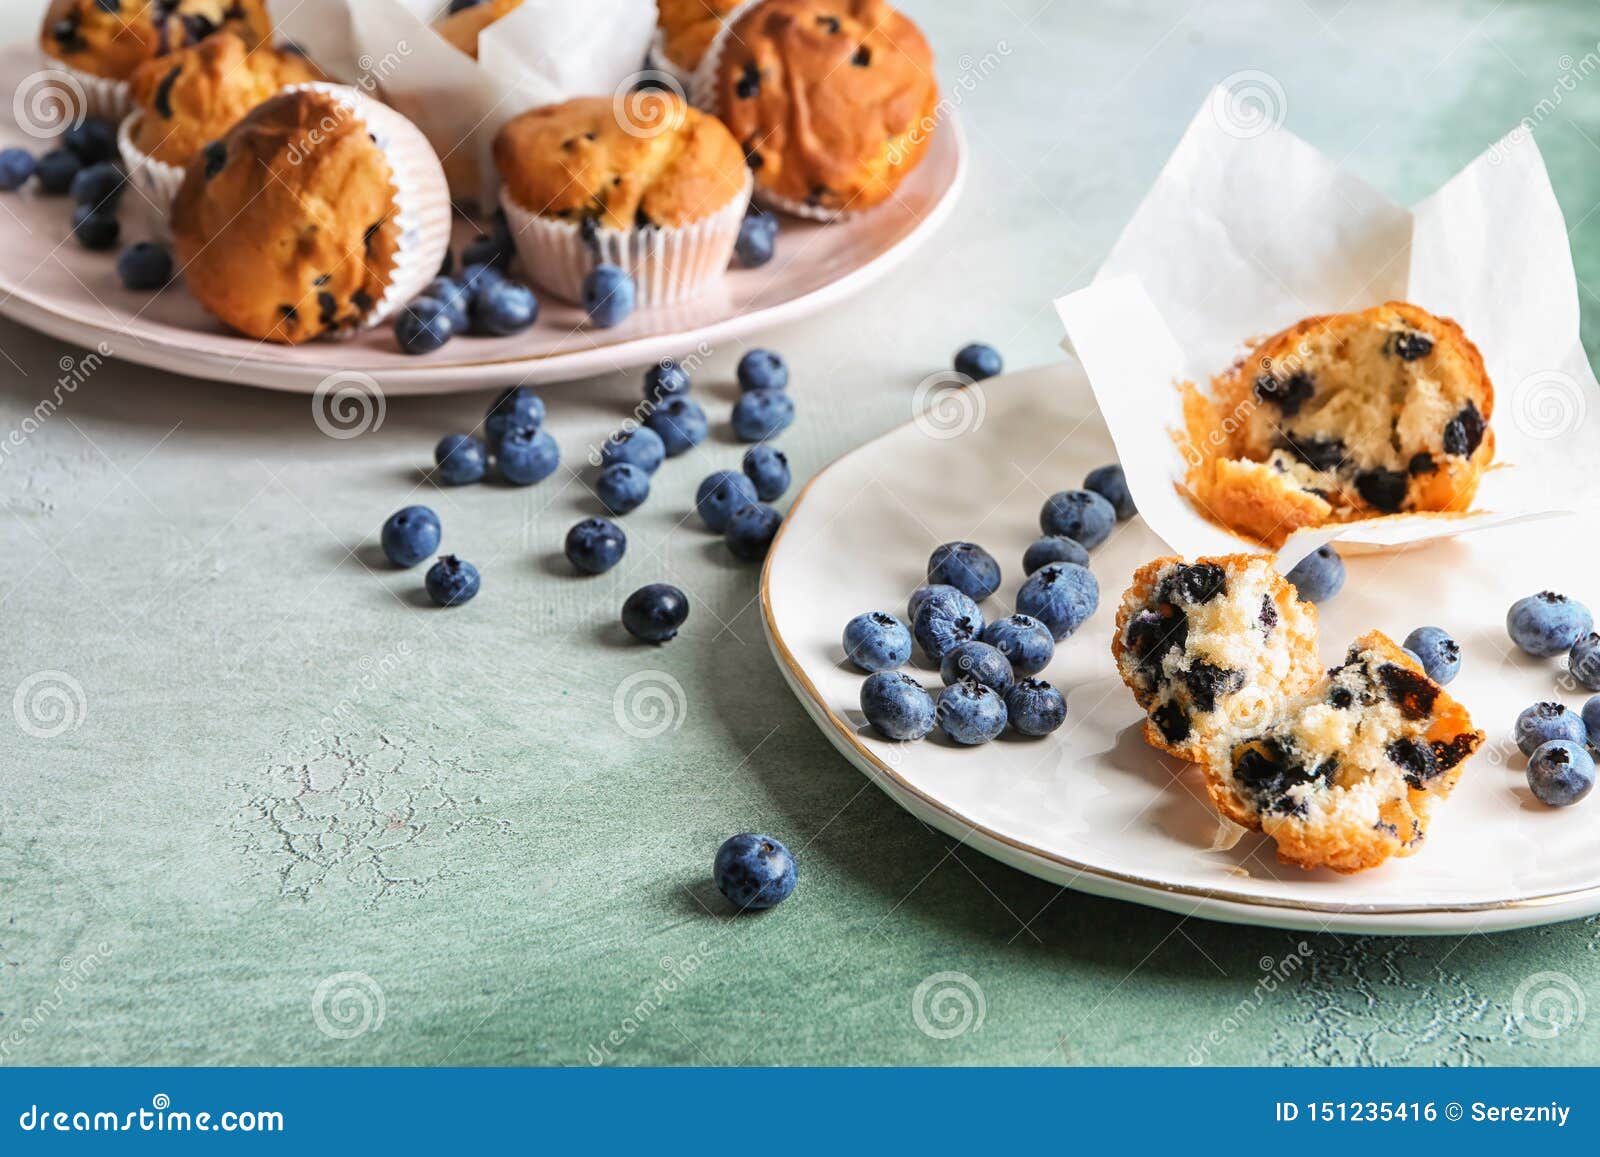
{"points": [[195, 95], [463, 28], [669, 165], [286, 227], [114, 43], [833, 101], [689, 26]]}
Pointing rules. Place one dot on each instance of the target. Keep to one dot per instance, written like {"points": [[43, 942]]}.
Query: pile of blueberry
{"points": [[989, 669], [1557, 740]]}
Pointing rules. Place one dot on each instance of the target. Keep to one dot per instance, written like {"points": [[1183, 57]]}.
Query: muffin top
{"points": [[197, 94], [112, 38], [462, 28], [831, 100], [689, 26], [286, 226], [646, 160]]}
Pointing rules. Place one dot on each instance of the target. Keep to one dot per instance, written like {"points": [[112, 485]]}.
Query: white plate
{"points": [[1092, 807], [49, 283]]}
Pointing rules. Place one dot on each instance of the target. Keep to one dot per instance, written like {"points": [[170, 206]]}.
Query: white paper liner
{"points": [[668, 265], [156, 182], [94, 96]]}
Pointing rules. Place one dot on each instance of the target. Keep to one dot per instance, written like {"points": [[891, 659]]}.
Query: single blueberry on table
{"points": [[979, 662], [941, 624], [1081, 515], [95, 229], [897, 705], [758, 235], [680, 423], [1053, 548], [970, 713], [1319, 576], [99, 186], [978, 361], [1591, 720], [609, 296], [719, 495], [1061, 596], [967, 567], [762, 414], [954, 601], [460, 459], [754, 872], [1439, 654], [638, 446], [1111, 484], [622, 487], [1560, 773], [877, 641], [767, 467], [654, 613], [595, 545], [423, 326], [451, 581], [55, 171], [1543, 722], [517, 406], [1583, 661], [410, 535], [527, 455], [664, 380], [762, 369], [1547, 624], [93, 141], [1024, 640], [1034, 707], [144, 266], [503, 309], [751, 530], [16, 166], [455, 300]]}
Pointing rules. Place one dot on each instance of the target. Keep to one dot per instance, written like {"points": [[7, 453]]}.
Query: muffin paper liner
{"points": [[156, 182], [668, 265], [95, 96]]}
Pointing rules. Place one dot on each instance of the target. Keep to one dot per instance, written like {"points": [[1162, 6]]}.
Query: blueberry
{"points": [[978, 361], [762, 414], [99, 186], [681, 424], [877, 641], [767, 467], [1591, 720], [1288, 394], [751, 530], [654, 613], [93, 229], [1546, 624], [1079, 514], [410, 535], [451, 581], [1193, 583], [526, 455], [517, 406], [1464, 433], [461, 459], [1111, 484], [638, 446], [758, 234], [1053, 548], [1439, 654], [979, 662], [93, 141], [485, 249], [1560, 773], [595, 545], [1319, 576], [145, 266], [423, 326], [475, 279], [1411, 345], [1035, 708], [16, 166], [454, 298], [967, 567], [761, 369], [939, 625], [664, 380], [1583, 661], [622, 487], [1061, 596], [503, 309], [719, 495], [970, 713], [1383, 490], [55, 171], [754, 872], [954, 602], [1024, 640], [608, 296], [897, 705], [1543, 722]]}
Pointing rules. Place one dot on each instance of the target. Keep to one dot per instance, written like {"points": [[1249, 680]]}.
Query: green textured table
{"points": [[296, 817]]}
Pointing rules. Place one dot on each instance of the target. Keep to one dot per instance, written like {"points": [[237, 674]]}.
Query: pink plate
{"points": [[49, 283]]}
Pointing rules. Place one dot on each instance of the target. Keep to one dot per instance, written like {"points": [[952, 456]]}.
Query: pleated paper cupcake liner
{"points": [[156, 181], [94, 96]]}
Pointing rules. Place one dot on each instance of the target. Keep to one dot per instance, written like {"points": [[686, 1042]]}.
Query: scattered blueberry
{"points": [[1591, 720], [655, 612], [95, 229], [1081, 515], [608, 296], [595, 545], [517, 406], [940, 624], [979, 662], [1111, 484], [877, 641], [956, 603], [1543, 722], [1053, 548], [410, 535], [1034, 707], [754, 872], [681, 424], [761, 369], [93, 141], [16, 166], [897, 705], [1319, 576], [719, 495], [503, 309], [527, 455], [978, 361], [1583, 661], [1439, 654], [423, 326], [1060, 595], [451, 581], [762, 414], [639, 446], [99, 186], [970, 713], [1560, 773], [487, 250], [453, 297], [622, 487], [55, 171], [751, 530], [1024, 640], [664, 380], [145, 266], [1547, 624], [967, 567], [461, 459], [475, 279], [758, 235], [767, 467]]}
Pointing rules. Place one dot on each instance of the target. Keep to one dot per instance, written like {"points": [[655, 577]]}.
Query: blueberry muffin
{"points": [[462, 27], [1340, 418], [1340, 769], [687, 28], [833, 101]]}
